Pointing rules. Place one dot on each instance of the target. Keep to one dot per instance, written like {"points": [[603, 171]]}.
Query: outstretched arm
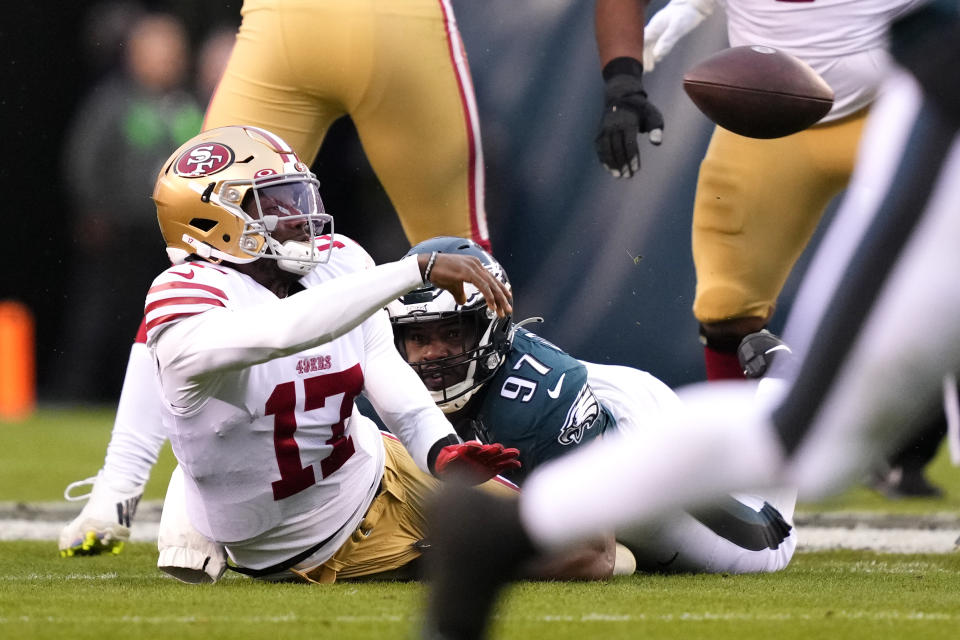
{"points": [[193, 349]]}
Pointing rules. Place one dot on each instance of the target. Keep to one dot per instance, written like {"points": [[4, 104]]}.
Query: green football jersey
{"points": [[539, 402]]}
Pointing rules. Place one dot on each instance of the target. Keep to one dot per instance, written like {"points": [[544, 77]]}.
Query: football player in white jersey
{"points": [[876, 336], [275, 460], [748, 232], [263, 334], [438, 190]]}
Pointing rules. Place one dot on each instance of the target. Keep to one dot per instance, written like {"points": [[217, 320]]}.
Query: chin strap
{"points": [[299, 257], [295, 257], [202, 249]]}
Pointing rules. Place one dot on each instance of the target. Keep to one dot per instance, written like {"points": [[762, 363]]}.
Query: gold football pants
{"points": [[758, 203], [386, 538], [398, 68]]}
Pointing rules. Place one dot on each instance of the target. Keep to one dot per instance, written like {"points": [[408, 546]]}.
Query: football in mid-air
{"points": [[758, 91]]}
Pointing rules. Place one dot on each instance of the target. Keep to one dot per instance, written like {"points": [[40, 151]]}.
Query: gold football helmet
{"points": [[222, 193]]}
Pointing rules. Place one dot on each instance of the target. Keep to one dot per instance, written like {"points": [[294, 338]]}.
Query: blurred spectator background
{"points": [[116, 142], [147, 98], [212, 59]]}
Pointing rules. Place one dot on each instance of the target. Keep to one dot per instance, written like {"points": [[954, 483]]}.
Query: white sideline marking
{"points": [[32, 577], [42, 530], [811, 538], [893, 540]]}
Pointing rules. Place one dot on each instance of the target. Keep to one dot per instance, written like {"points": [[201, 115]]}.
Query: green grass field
{"points": [[826, 595], [838, 594], [45, 453]]}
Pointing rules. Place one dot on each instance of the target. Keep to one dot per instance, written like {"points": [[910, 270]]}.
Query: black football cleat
{"points": [[477, 545], [757, 352], [905, 482]]}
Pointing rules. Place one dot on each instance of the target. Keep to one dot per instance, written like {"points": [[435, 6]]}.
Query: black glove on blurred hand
{"points": [[627, 113]]}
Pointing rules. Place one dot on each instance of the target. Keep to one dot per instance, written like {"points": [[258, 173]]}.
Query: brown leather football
{"points": [[758, 91]]}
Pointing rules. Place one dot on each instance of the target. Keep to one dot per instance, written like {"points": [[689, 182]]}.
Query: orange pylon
{"points": [[17, 361]]}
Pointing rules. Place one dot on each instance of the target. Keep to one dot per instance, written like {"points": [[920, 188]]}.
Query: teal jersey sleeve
{"points": [[539, 402]]}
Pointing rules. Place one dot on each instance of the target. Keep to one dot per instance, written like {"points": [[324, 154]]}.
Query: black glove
{"points": [[626, 115]]}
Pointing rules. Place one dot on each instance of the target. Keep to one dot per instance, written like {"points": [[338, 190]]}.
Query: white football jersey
{"points": [[635, 398], [260, 398], [845, 41]]}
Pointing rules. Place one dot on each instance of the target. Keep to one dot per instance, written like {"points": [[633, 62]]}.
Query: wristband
{"points": [[429, 268], [624, 65]]}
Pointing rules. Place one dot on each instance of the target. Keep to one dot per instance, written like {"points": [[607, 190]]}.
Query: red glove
{"points": [[474, 463]]}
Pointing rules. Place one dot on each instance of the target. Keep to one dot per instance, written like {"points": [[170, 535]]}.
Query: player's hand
{"points": [[451, 270], [626, 114], [473, 463], [668, 25]]}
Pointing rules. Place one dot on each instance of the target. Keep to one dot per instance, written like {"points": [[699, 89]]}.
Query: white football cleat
{"points": [[103, 526]]}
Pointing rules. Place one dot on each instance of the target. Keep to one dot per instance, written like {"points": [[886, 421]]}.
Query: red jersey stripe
{"points": [[156, 322], [187, 285], [156, 304], [336, 244], [142, 332]]}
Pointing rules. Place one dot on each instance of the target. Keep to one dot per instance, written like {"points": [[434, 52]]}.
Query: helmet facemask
{"points": [[469, 344], [290, 201], [455, 377]]}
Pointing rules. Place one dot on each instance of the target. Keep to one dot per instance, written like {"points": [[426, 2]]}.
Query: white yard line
{"points": [[888, 533], [811, 538], [886, 540], [19, 529], [701, 616]]}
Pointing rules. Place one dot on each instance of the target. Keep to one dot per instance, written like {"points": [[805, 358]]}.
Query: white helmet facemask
{"points": [[475, 363], [287, 200], [468, 369]]}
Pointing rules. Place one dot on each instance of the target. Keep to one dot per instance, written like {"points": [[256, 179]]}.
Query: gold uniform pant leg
{"points": [[264, 84], [418, 123], [757, 204], [394, 523], [398, 68]]}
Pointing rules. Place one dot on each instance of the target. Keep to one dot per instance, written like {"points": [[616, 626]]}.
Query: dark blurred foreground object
{"points": [[906, 476]]}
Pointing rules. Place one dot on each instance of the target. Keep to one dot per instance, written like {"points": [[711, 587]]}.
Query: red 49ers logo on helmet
{"points": [[204, 159]]}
